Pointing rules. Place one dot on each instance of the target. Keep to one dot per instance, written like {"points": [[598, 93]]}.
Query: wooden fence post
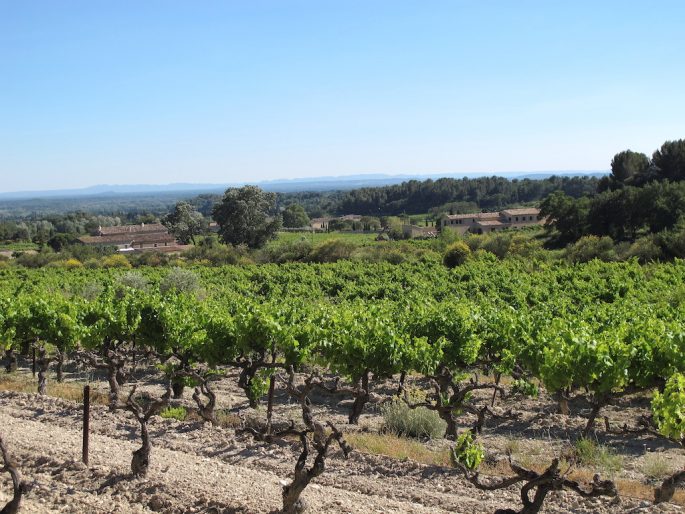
{"points": [[86, 422]]}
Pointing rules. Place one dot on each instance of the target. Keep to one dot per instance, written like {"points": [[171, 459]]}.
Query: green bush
{"points": [[456, 254], [333, 250], [289, 251], [179, 280], [588, 248], [497, 243], [134, 280], [644, 249], [421, 422]]}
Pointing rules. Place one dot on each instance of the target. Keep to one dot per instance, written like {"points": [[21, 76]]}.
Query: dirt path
{"points": [[204, 469]]}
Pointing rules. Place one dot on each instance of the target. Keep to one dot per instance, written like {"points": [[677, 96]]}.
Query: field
{"points": [[531, 360]]}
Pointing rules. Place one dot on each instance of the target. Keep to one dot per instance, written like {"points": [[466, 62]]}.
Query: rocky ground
{"points": [[199, 468]]}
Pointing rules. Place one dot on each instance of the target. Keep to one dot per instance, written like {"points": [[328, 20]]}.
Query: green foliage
{"points": [[467, 452], [185, 222], [626, 165], [294, 216], [178, 413], [421, 422], [246, 216], [179, 280], [457, 254], [116, 261], [669, 408], [588, 248], [670, 160], [332, 250], [525, 387], [644, 250]]}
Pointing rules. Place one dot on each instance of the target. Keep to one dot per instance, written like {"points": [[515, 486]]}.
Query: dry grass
{"points": [[72, 391], [399, 448], [655, 466]]}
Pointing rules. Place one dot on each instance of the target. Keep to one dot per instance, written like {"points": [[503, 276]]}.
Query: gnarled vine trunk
{"points": [[60, 366], [11, 360], [361, 398], [18, 486], [43, 363]]}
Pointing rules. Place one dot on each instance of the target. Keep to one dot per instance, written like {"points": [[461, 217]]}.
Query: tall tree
{"points": [[246, 216], [670, 159], [184, 222], [294, 216], [628, 164]]}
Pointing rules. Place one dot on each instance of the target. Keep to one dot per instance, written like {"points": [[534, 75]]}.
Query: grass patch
{"points": [[592, 454], [396, 447], [72, 391], [655, 466]]}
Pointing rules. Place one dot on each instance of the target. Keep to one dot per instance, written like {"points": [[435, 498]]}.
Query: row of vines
{"points": [[601, 331]]}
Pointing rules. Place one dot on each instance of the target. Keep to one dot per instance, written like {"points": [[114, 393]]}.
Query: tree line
{"points": [[643, 198]]}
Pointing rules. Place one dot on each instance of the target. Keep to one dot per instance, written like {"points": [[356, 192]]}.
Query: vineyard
{"points": [[306, 362]]}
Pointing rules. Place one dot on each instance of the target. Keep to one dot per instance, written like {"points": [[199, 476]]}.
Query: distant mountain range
{"points": [[280, 185]]}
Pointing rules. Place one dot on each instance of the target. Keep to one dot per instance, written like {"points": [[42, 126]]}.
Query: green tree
{"points": [[294, 216], [628, 164], [184, 222], [567, 215], [245, 216], [670, 160]]}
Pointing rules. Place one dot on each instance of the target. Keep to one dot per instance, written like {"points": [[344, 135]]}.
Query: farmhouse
{"points": [[482, 222], [128, 238]]}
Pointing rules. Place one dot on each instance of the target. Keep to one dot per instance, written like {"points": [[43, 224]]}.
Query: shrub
{"points": [[292, 251], [212, 251], [36, 260], [150, 259], [116, 261], [588, 248], [421, 422], [498, 243], [456, 254], [134, 280], [332, 250], [484, 256], [644, 249], [91, 290], [179, 280], [73, 264]]}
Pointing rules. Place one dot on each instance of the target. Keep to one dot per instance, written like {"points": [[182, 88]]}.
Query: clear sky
{"points": [[199, 91]]}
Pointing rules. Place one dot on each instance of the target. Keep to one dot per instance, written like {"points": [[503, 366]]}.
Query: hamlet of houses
{"points": [[482, 222], [130, 238]]}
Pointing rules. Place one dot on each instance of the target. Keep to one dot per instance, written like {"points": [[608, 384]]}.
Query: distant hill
{"points": [[280, 186]]}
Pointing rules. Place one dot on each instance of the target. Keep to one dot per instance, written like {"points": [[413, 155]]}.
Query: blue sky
{"points": [[165, 91]]}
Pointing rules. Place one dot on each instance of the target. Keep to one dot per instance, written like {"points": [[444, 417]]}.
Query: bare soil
{"points": [[199, 468]]}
